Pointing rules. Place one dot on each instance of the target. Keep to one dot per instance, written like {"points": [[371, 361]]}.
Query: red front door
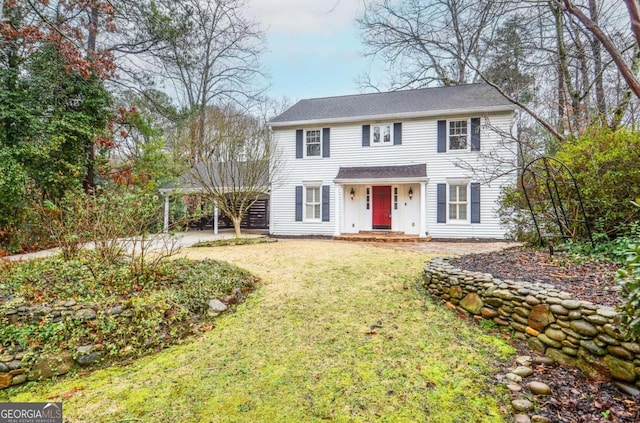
{"points": [[382, 207]]}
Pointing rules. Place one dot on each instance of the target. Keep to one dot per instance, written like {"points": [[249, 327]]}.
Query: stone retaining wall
{"points": [[576, 333], [18, 366]]}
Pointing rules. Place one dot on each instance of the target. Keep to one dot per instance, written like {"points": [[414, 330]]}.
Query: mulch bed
{"points": [[575, 398]]}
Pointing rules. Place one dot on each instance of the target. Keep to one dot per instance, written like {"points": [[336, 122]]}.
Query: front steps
{"points": [[382, 236]]}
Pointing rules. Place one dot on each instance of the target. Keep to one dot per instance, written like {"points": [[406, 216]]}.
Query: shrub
{"points": [[629, 279], [605, 165]]}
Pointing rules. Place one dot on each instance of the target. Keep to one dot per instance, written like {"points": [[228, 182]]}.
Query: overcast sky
{"points": [[314, 47]]}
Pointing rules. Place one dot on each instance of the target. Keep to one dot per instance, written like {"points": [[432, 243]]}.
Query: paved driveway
{"points": [[188, 239]]}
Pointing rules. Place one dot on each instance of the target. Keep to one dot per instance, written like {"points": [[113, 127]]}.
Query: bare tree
{"points": [[599, 33], [425, 41], [573, 52], [235, 161], [210, 53]]}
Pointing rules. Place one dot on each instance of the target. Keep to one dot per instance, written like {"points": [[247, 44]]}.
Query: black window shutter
{"points": [[475, 202], [326, 143], [397, 133], [299, 203], [326, 197], [442, 203], [299, 144], [442, 136], [475, 134], [366, 135]]}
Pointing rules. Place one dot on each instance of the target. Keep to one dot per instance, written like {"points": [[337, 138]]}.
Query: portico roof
{"points": [[407, 173]]}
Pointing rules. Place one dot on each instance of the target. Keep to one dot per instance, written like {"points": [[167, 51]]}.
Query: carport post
{"points": [[215, 219], [165, 228]]}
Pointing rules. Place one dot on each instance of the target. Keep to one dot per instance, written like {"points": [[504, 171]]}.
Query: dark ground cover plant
{"points": [[159, 310], [235, 241]]}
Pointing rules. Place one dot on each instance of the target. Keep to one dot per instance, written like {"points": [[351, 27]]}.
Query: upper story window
{"points": [[381, 135], [313, 143], [458, 133]]}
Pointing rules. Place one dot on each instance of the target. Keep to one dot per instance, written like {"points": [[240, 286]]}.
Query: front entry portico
{"points": [[381, 198]]}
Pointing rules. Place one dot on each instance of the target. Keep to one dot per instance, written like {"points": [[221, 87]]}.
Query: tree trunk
{"points": [[598, 68], [88, 183], [236, 225]]}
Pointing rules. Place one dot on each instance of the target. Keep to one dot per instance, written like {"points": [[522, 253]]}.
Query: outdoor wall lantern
{"points": [[410, 193], [352, 194]]}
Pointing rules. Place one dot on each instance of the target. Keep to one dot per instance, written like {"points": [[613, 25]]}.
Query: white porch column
{"points": [[165, 226], [338, 209], [215, 219], [423, 209]]}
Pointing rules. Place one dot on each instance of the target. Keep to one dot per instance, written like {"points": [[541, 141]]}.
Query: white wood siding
{"points": [[419, 145]]}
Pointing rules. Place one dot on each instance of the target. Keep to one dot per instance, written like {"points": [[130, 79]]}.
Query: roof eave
{"points": [[395, 116], [360, 181]]}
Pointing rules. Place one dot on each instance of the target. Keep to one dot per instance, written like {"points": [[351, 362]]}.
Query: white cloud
{"points": [[304, 16]]}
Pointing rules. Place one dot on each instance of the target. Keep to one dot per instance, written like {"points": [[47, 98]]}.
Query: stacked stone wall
{"points": [[569, 331], [18, 365]]}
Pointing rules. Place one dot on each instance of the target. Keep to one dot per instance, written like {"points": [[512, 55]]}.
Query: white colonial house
{"points": [[420, 162]]}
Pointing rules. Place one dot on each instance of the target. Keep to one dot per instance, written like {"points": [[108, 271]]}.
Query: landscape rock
{"points": [[18, 379], [472, 303], [49, 366], [513, 377], [584, 328], [521, 418], [620, 369], [524, 360], [85, 314], [628, 389], [513, 386], [539, 388], [523, 371], [5, 380], [540, 317], [522, 404]]}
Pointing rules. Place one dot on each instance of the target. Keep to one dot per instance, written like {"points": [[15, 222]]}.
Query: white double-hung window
{"points": [[458, 203], [313, 143], [458, 134], [312, 203]]}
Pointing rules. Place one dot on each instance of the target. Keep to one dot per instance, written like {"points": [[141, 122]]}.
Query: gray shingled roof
{"points": [[189, 182], [427, 101], [383, 172]]}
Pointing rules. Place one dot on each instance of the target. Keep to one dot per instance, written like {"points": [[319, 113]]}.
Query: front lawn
{"points": [[337, 331]]}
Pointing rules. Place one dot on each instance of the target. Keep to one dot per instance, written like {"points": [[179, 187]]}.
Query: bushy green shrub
{"points": [[605, 165], [629, 279]]}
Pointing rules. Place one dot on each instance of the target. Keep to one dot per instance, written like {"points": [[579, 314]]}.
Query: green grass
{"points": [[302, 349]]}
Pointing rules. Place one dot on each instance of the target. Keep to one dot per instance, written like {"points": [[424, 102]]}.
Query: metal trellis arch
{"points": [[554, 200]]}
